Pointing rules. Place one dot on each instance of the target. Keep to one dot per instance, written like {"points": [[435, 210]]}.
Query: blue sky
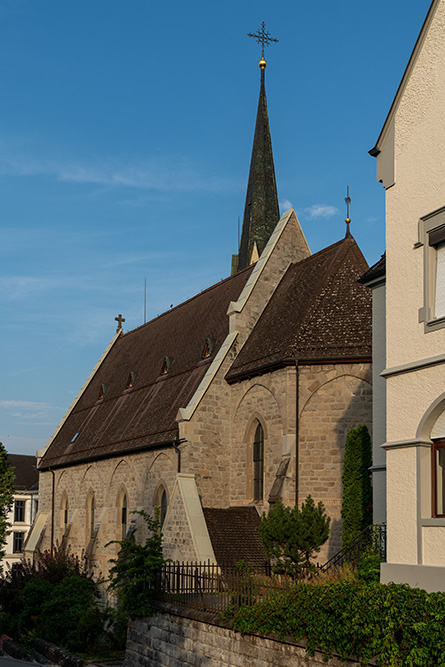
{"points": [[125, 136]]}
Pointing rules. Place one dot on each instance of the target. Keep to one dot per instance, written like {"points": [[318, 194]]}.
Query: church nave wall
{"points": [[270, 401], [332, 399], [135, 478]]}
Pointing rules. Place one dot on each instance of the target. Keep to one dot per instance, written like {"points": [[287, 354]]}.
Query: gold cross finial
{"points": [[119, 319], [262, 36], [348, 219]]}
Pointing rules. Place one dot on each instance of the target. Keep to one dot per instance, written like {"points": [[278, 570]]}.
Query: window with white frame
{"points": [[19, 511], [17, 545], [432, 238]]}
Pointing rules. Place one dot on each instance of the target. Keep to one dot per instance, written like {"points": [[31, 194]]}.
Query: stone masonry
{"points": [[167, 640]]}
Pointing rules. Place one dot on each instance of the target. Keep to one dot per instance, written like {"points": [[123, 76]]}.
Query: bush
{"points": [[134, 571], [55, 598], [292, 536], [70, 616], [399, 625], [356, 510]]}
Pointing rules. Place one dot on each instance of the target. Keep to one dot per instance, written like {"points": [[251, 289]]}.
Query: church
{"points": [[213, 411]]}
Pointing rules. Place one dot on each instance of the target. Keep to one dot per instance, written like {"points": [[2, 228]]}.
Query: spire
{"points": [[348, 219], [261, 212]]}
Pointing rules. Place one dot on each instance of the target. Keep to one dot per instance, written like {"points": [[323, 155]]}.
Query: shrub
{"points": [[70, 616], [56, 598], [292, 536], [399, 625], [134, 571], [356, 508]]}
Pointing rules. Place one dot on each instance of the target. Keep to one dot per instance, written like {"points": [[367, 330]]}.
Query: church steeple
{"points": [[261, 212]]}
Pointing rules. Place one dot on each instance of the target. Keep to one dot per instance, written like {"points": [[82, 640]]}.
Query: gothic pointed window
{"points": [[92, 512], [65, 513], [258, 463], [163, 506], [124, 517]]}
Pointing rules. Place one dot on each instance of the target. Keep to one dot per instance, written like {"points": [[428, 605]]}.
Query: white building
{"points": [[410, 154]]}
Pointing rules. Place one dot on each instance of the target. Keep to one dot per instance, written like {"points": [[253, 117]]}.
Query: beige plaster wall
{"points": [[418, 190], [419, 166]]}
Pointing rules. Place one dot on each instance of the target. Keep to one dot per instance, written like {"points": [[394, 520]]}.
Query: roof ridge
{"points": [[191, 298]]}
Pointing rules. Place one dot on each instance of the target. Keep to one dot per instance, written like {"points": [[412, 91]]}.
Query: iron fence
{"points": [[214, 588], [372, 540]]}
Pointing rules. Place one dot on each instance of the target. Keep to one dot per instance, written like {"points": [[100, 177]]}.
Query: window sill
{"points": [[434, 522]]}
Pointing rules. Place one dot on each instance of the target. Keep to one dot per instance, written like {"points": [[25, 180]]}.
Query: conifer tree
{"points": [[293, 535], [7, 478], [356, 508]]}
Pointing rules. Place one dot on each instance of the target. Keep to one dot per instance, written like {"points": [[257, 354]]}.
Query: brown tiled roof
{"points": [[318, 311], [377, 270], [25, 470], [145, 415], [234, 535]]}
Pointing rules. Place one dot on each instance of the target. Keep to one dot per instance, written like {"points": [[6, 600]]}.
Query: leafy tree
{"points": [[55, 598], [292, 536], [356, 508], [7, 479], [133, 573]]}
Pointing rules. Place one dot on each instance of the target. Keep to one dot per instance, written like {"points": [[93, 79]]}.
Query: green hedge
{"points": [[397, 624]]}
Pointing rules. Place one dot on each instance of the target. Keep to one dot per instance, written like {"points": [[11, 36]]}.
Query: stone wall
{"points": [[332, 398], [138, 476], [168, 640]]}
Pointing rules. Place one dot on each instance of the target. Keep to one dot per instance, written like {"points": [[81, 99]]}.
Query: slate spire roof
{"points": [[261, 212]]}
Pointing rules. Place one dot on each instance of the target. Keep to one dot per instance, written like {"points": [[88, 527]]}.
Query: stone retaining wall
{"points": [[172, 640]]}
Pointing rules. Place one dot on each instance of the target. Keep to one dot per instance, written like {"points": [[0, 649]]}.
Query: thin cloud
{"points": [[174, 174], [285, 205], [320, 211], [27, 405]]}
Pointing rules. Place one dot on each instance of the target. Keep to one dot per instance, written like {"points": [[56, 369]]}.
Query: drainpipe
{"points": [[52, 509], [178, 451], [297, 430]]}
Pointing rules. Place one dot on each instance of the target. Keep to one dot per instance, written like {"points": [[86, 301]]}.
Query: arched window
{"points": [[258, 463], [124, 517], [92, 511], [163, 506], [65, 513]]}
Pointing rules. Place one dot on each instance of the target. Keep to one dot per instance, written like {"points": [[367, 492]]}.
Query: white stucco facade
{"points": [[411, 165], [20, 519]]}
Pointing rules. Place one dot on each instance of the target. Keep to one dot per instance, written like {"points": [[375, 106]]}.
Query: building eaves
{"points": [[375, 151]]}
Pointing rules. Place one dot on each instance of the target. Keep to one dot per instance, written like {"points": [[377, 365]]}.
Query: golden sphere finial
{"points": [[348, 220], [262, 64]]}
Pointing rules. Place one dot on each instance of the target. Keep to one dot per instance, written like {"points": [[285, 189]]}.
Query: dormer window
{"points": [[208, 348], [166, 365], [102, 391], [131, 379]]}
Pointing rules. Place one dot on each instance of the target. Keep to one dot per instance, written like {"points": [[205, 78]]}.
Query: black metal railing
{"points": [[213, 588], [372, 540]]}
